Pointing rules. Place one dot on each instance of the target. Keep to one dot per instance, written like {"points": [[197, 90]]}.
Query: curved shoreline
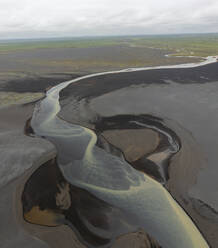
{"points": [[53, 94]]}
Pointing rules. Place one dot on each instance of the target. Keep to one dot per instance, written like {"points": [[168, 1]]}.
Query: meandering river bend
{"points": [[136, 200]]}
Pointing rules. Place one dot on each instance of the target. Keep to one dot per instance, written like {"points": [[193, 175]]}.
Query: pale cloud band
{"points": [[30, 18]]}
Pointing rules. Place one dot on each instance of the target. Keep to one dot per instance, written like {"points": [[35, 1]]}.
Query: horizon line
{"points": [[103, 36]]}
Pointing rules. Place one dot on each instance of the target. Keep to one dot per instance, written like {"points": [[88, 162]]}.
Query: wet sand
{"points": [[57, 123], [197, 143], [34, 83], [16, 229], [97, 86], [170, 94], [41, 210], [14, 117], [133, 143], [178, 172], [19, 155]]}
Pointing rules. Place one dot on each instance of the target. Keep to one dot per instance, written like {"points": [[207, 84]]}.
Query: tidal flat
{"points": [[121, 159]]}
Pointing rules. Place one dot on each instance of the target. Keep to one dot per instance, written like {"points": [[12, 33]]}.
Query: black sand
{"points": [[103, 84]]}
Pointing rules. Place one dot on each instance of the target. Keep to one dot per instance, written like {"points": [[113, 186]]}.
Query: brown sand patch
{"points": [[138, 239], [63, 199], [134, 143], [55, 236], [157, 157], [43, 217], [62, 235], [14, 98]]}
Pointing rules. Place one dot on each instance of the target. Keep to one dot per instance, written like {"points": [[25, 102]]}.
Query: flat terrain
{"points": [[186, 99], [58, 58], [35, 65]]}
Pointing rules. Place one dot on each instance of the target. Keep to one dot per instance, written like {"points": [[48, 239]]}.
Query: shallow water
{"points": [[144, 202], [193, 106]]}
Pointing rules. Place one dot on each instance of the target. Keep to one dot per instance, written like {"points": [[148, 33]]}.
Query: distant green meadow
{"points": [[53, 43], [179, 45], [183, 45]]}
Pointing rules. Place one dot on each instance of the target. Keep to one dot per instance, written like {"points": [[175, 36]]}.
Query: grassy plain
{"points": [[53, 60], [186, 44], [6, 47]]}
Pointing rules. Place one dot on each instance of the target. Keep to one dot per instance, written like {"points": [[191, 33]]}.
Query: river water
{"points": [[145, 203]]}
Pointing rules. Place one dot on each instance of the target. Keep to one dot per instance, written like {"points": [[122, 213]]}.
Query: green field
{"points": [[45, 44], [184, 45]]}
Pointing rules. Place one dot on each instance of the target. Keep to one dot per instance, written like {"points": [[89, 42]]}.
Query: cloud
{"points": [[30, 18]]}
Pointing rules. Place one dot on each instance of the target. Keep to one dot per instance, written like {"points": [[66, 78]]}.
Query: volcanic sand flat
{"points": [[134, 143]]}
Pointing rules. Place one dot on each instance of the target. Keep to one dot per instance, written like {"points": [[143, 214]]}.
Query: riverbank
{"points": [[165, 93], [19, 155], [176, 187], [28, 155]]}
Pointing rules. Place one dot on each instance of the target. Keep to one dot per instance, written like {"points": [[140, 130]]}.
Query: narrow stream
{"points": [[143, 202]]}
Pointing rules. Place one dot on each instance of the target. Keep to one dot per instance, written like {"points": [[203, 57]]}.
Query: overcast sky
{"points": [[47, 18]]}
